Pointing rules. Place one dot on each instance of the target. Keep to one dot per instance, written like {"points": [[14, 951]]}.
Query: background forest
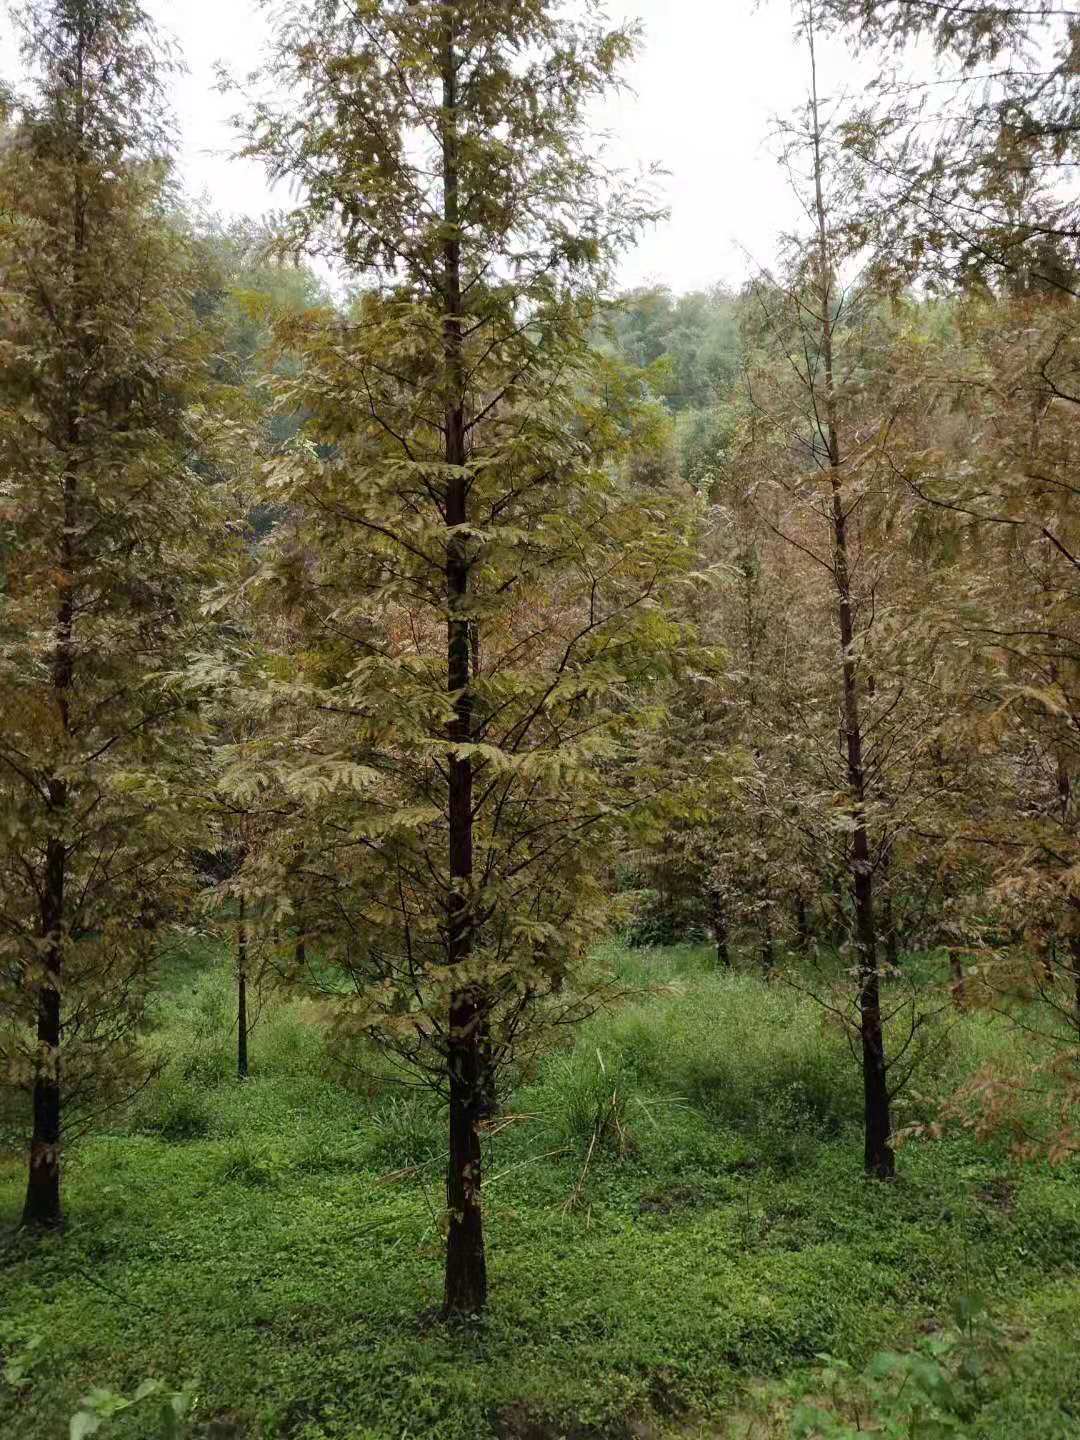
{"points": [[539, 844]]}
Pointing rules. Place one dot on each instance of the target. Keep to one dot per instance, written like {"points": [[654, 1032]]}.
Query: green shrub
{"points": [[194, 1028], [162, 1411], [664, 919]]}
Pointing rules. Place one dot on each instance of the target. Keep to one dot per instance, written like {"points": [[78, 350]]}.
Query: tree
{"points": [[967, 171], [694, 338], [108, 531], [478, 585], [801, 321], [974, 191]]}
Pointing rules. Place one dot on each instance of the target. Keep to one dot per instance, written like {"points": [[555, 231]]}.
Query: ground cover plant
{"points": [[674, 1241]]}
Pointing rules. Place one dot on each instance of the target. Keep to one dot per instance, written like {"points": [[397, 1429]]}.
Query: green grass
{"points": [[246, 1238]]}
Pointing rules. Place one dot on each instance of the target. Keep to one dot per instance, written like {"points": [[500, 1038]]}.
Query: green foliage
{"points": [[757, 1058], [277, 1263], [17, 1367], [931, 1392], [101, 1406], [406, 1129], [175, 1109], [113, 524], [661, 919], [691, 342], [467, 475]]}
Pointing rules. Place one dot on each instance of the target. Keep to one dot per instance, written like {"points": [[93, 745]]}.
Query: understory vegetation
{"points": [[673, 1229]]}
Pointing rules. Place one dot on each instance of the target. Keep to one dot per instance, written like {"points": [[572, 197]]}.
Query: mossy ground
{"points": [[259, 1241]]}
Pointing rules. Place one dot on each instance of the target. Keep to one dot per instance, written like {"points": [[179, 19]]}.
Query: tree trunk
{"points": [[768, 950], [878, 1158], [720, 934], [1050, 960], [1074, 966], [300, 943], [802, 921], [241, 992], [956, 983], [42, 1208], [466, 1272], [466, 1264]]}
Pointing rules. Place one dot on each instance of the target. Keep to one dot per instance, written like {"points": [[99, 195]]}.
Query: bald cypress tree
{"points": [[477, 583], [106, 524], [966, 179]]}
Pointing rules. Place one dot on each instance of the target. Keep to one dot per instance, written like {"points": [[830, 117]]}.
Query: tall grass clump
{"points": [[406, 1129], [191, 1045], [290, 1040], [751, 1059], [750, 1055]]}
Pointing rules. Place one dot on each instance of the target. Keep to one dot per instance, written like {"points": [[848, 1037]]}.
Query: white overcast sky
{"points": [[710, 77]]}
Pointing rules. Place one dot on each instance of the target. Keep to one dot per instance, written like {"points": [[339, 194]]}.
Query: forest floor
{"points": [[274, 1245]]}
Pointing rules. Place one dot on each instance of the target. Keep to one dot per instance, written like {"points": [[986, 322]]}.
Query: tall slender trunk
{"points": [[241, 991], [768, 950], [1064, 785], [957, 980], [1073, 967], [720, 932], [300, 941], [1050, 960], [802, 921], [878, 1153], [43, 1207], [466, 1266]]}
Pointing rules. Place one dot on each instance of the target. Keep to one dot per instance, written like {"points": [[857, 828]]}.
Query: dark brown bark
{"points": [[720, 934], [768, 950], [802, 921], [1049, 961], [465, 1290], [466, 1263], [879, 1159], [956, 981], [42, 1209], [1074, 962], [878, 1154], [241, 991], [300, 943]]}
